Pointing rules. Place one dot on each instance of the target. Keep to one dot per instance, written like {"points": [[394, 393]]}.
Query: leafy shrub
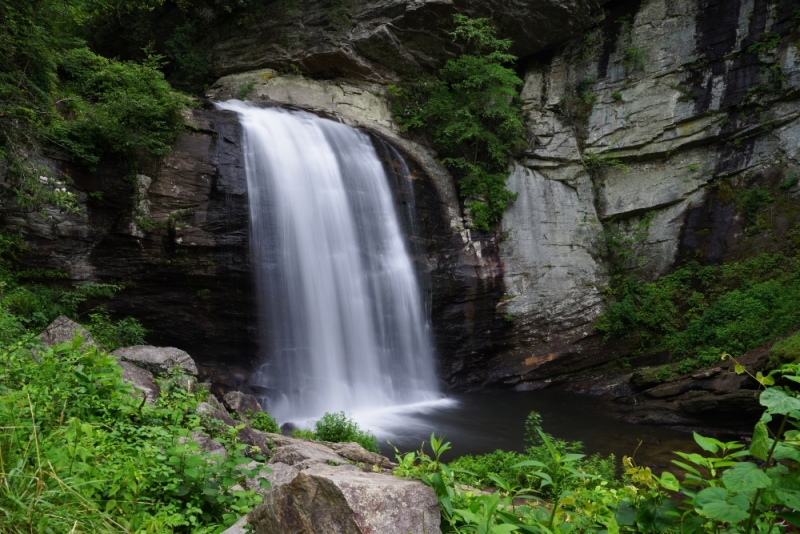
{"points": [[699, 312], [785, 351], [722, 490], [126, 332], [302, 433], [483, 470], [264, 422], [338, 428], [115, 108], [72, 407], [472, 114]]}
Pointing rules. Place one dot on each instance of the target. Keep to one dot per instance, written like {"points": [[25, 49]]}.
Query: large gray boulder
{"points": [[64, 329], [241, 403], [330, 499], [277, 474], [141, 379], [305, 454], [158, 360]]}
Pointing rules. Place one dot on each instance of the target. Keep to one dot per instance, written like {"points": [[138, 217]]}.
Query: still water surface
{"points": [[478, 423]]}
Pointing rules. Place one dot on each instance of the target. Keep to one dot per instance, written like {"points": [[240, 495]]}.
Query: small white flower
{"points": [[43, 179]]}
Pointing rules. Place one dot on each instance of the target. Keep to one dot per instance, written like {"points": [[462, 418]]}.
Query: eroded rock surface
{"points": [[328, 499], [141, 379], [241, 403]]}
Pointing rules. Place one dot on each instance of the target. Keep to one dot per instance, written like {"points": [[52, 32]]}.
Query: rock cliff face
{"points": [[176, 241], [381, 40], [644, 122], [642, 117]]}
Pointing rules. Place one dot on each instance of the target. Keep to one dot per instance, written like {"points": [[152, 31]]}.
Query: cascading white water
{"points": [[342, 322]]}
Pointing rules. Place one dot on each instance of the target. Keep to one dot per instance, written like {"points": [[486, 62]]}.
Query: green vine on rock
{"points": [[472, 115]]}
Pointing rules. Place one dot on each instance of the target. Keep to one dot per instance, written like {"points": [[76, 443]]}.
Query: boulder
{"points": [[158, 360], [64, 329], [207, 444], [305, 454], [241, 403], [356, 453], [277, 473], [329, 499], [141, 379]]}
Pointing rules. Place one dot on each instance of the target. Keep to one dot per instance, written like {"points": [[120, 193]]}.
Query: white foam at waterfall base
{"points": [[341, 319]]}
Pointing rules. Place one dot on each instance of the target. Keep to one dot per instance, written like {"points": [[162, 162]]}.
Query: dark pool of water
{"points": [[481, 423]]}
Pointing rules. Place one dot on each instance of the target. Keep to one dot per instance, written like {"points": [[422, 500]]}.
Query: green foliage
{"points": [[768, 42], [722, 491], [634, 59], [480, 471], [70, 405], [264, 422], [472, 114], [785, 351], [114, 108], [126, 332], [301, 433], [700, 312], [338, 428], [56, 96], [245, 89], [597, 164]]}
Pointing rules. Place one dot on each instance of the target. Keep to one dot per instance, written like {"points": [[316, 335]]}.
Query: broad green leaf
{"points": [[668, 481], [710, 495], [765, 380], [777, 401], [723, 511], [572, 457], [745, 477], [787, 452], [761, 442], [653, 517], [528, 463], [790, 498], [686, 467], [793, 518], [625, 514], [739, 368], [707, 444], [503, 529]]}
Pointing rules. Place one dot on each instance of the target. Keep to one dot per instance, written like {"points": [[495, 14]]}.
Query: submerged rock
{"points": [[330, 499], [158, 360], [64, 329]]}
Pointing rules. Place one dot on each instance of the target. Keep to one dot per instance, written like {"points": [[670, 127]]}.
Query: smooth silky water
{"points": [[342, 323]]}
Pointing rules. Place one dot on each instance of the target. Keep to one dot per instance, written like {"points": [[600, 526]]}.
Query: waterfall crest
{"points": [[341, 318]]}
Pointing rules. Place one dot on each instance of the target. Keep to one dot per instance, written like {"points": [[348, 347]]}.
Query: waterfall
{"points": [[341, 319]]}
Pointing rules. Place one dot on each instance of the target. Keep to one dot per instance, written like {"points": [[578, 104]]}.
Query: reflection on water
{"points": [[483, 422]]}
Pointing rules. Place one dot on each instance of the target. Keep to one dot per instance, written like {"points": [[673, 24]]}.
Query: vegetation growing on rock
{"points": [[472, 115]]}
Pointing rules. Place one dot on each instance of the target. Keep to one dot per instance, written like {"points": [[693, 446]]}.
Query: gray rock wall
{"points": [[683, 96]]}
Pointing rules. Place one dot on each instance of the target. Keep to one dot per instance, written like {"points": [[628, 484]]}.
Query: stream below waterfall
{"points": [[477, 423]]}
